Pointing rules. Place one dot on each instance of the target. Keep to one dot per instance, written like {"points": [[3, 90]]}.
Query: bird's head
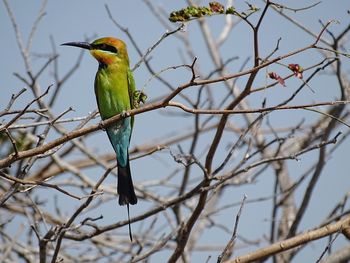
{"points": [[106, 51]]}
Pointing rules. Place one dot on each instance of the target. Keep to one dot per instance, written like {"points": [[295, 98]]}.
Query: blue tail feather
{"points": [[119, 135]]}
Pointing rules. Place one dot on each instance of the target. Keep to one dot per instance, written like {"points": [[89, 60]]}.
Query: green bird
{"points": [[115, 93]]}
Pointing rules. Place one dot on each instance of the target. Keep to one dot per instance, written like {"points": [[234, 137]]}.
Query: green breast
{"points": [[111, 89]]}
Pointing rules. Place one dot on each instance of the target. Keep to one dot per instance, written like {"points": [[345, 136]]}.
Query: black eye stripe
{"points": [[106, 47]]}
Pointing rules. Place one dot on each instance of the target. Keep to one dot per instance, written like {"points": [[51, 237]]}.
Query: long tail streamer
{"points": [[130, 234]]}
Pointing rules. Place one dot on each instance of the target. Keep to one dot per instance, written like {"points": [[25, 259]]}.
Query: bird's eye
{"points": [[106, 47]]}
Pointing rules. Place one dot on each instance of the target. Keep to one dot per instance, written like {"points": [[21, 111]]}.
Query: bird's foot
{"points": [[125, 114], [139, 97]]}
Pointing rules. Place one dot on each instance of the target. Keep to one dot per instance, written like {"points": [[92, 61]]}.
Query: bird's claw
{"points": [[124, 114], [139, 97]]}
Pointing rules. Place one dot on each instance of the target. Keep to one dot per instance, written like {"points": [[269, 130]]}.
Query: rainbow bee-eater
{"points": [[115, 93]]}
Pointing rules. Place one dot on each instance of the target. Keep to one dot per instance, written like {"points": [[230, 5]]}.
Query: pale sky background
{"points": [[68, 21]]}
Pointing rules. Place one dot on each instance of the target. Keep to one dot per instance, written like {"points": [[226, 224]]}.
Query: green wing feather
{"points": [[132, 89]]}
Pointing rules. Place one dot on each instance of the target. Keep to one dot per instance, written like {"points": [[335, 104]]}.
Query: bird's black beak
{"points": [[84, 45]]}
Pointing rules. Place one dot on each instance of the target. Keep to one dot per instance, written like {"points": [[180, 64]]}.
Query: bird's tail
{"points": [[125, 186]]}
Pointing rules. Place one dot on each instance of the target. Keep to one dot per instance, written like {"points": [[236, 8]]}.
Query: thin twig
{"points": [[230, 245]]}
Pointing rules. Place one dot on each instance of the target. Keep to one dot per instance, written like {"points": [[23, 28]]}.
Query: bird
{"points": [[115, 94]]}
